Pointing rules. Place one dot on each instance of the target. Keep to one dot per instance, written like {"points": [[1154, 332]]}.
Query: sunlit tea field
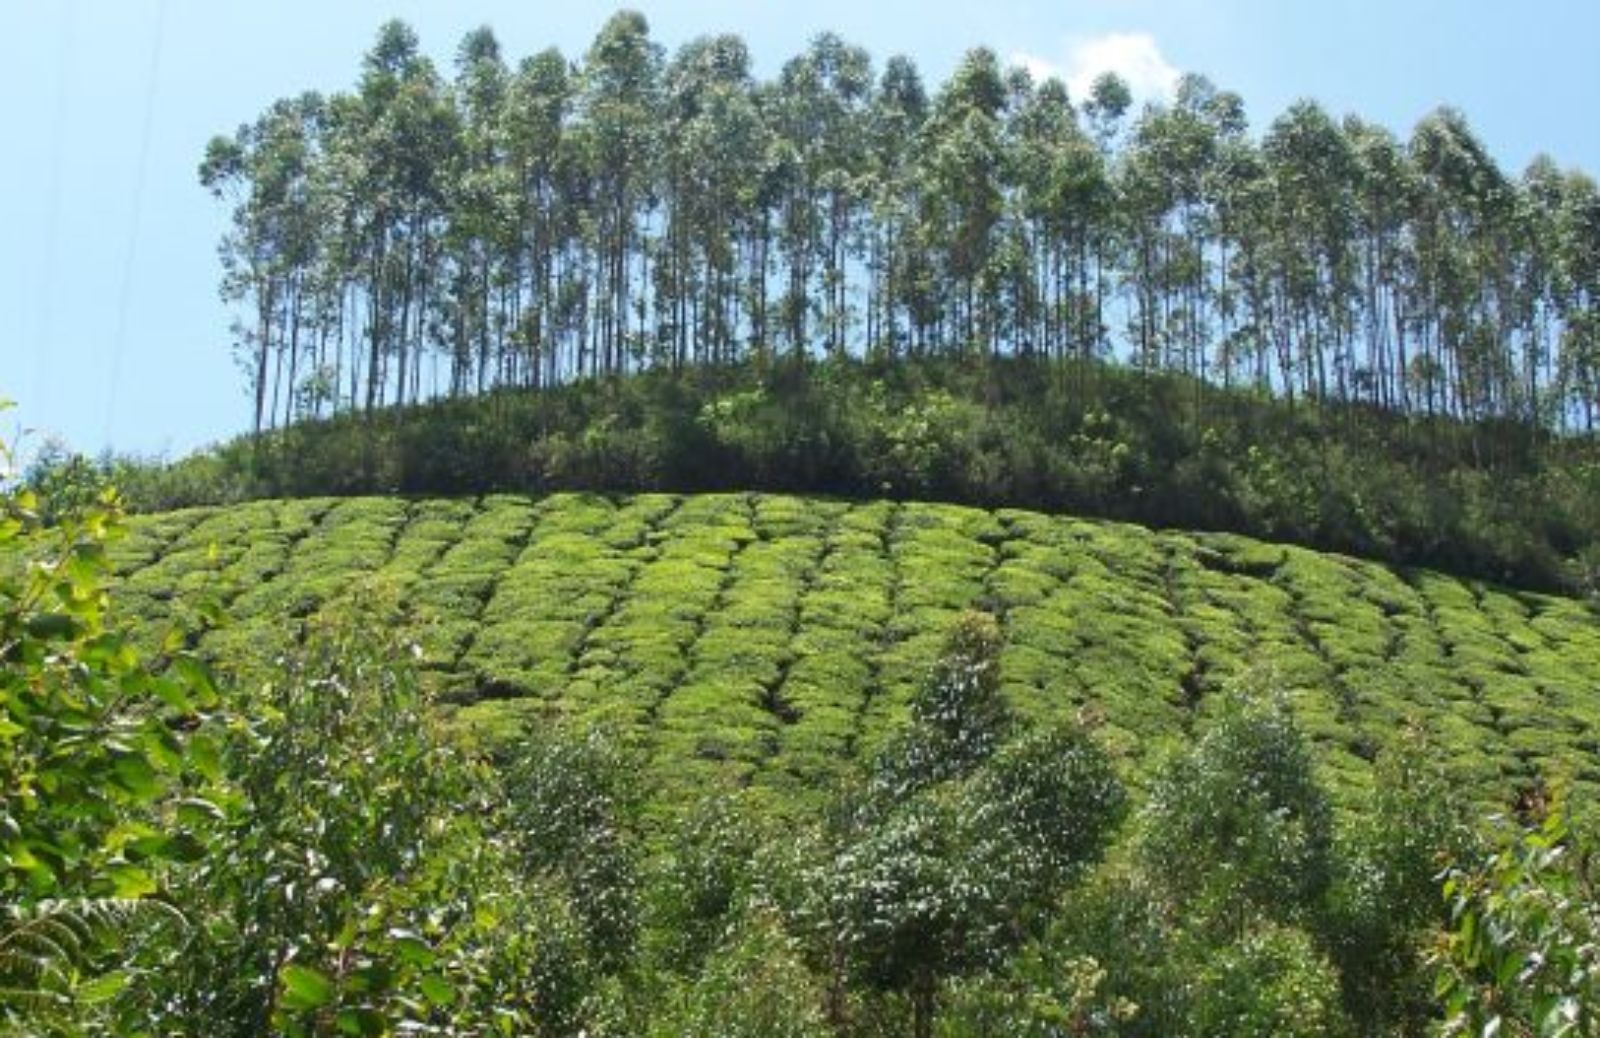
{"points": [[768, 641]]}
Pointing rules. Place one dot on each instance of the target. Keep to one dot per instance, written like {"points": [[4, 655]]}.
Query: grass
{"points": [[768, 641]]}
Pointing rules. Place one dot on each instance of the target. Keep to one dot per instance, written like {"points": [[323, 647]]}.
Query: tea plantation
{"points": [[766, 641]]}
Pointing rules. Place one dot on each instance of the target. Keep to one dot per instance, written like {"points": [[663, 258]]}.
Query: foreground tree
{"points": [[1521, 957], [106, 770], [958, 854], [350, 885], [1238, 828]]}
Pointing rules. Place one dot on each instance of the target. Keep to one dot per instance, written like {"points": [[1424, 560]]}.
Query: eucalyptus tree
{"points": [[539, 156], [1083, 199], [266, 169], [1109, 99], [393, 142], [820, 111], [480, 207], [1579, 244], [1146, 198], [1045, 132], [560, 220], [619, 139], [735, 141], [897, 262], [1384, 189], [713, 162], [1221, 134], [1313, 176], [1237, 827], [1169, 183], [1539, 200], [966, 836], [1243, 200], [964, 189], [1460, 228]]}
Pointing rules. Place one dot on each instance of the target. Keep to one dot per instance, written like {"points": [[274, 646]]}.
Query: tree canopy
{"points": [[520, 223]]}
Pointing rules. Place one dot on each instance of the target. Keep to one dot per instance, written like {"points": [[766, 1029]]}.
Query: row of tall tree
{"points": [[555, 219]]}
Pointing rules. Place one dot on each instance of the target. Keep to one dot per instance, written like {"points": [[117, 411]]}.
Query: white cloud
{"points": [[1134, 56]]}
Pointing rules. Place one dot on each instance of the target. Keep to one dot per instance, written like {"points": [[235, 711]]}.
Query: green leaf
{"points": [[198, 678], [52, 626], [198, 810], [305, 988], [130, 881], [102, 988], [163, 750], [359, 1022], [206, 756], [438, 990], [135, 774], [173, 693], [412, 949]]}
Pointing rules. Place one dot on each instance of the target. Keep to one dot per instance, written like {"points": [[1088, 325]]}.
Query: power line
{"points": [[126, 294]]}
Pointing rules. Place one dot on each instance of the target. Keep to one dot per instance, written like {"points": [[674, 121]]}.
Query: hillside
{"points": [[721, 549], [1477, 499], [765, 640]]}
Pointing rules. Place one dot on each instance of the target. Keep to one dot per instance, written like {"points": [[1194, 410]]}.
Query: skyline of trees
{"points": [[526, 224]]}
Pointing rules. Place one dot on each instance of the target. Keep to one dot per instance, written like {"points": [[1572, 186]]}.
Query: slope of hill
{"points": [[766, 640], [1484, 500]]}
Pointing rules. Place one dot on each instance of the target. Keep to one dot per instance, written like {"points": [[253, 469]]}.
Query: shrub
{"points": [[1238, 825], [1520, 955], [569, 800], [107, 765], [1271, 983], [349, 885], [755, 985]]}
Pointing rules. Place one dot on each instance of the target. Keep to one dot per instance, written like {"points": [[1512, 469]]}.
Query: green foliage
{"points": [[568, 804], [1052, 797], [1520, 955], [1269, 932], [92, 733], [772, 641], [916, 897], [353, 868], [1040, 995], [755, 985], [106, 763], [702, 885], [1271, 983], [64, 483], [349, 886], [958, 716], [961, 842], [1020, 432], [1382, 914], [62, 961], [1238, 825], [328, 857]]}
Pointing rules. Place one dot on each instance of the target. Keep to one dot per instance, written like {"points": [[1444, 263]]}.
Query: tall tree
{"points": [[266, 169], [555, 220], [618, 141], [963, 173]]}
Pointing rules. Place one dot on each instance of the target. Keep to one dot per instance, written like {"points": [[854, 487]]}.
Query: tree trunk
{"points": [[923, 992]]}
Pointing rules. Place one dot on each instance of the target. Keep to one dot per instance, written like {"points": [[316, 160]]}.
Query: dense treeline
{"points": [[532, 223], [1493, 500]]}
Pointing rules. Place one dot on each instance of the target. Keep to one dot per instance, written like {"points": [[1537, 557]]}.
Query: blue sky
{"points": [[113, 332]]}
